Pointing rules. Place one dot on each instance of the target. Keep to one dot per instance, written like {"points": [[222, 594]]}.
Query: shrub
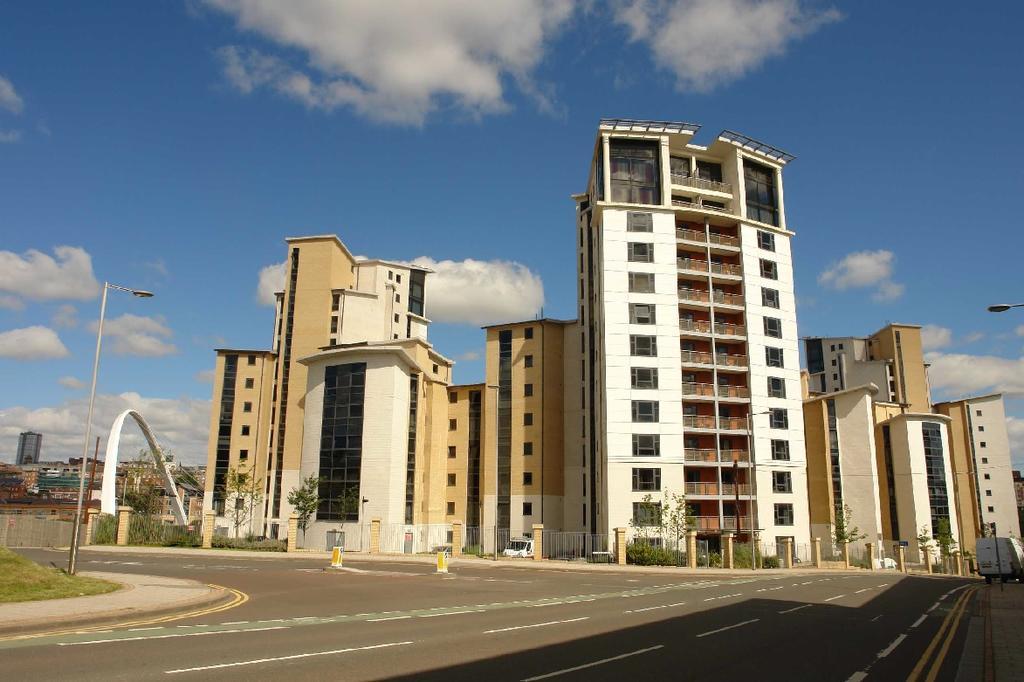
{"points": [[715, 560], [104, 530], [222, 542], [645, 554], [769, 562]]}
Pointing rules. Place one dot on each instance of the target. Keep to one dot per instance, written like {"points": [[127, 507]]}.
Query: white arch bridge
{"points": [[108, 495]]}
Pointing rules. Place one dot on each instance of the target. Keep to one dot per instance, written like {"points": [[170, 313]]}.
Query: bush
{"points": [[741, 556], [104, 530], [646, 554], [769, 562], [222, 542], [715, 560]]}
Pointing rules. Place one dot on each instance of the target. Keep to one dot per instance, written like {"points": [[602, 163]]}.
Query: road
{"points": [[391, 620]]}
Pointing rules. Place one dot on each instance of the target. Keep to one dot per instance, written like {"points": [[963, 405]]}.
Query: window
{"points": [[334, 325], [783, 515], [244, 454], [935, 473], [416, 281], [391, 274], [981, 428], [780, 450], [778, 418], [250, 382], [453, 397], [451, 452], [769, 269], [991, 509], [644, 377], [642, 313], [766, 240], [641, 282], [773, 327], [246, 407], [450, 508], [776, 387], [398, 279], [451, 480], [773, 356], [645, 410], [988, 493], [527, 390], [646, 480], [977, 412], [643, 346], [646, 513], [527, 478], [453, 424], [527, 449], [398, 298], [982, 444], [708, 170], [528, 361], [770, 298], [397, 316], [527, 508], [759, 182], [646, 445], [634, 171], [782, 482], [640, 252], [245, 430], [335, 301], [528, 333], [341, 442], [252, 360], [639, 222], [988, 477], [984, 460]]}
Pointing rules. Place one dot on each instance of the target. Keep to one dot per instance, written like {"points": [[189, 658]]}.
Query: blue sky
{"points": [[176, 144]]}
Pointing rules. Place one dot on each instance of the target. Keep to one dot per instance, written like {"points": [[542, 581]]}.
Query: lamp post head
{"points": [[999, 308], [141, 293]]}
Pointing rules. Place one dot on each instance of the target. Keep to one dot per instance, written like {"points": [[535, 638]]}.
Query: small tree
{"points": [[677, 517], [244, 491], [653, 518], [944, 537], [924, 539], [304, 500], [844, 530]]}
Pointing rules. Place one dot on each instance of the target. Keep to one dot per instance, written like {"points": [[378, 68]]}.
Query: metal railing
{"points": [[701, 183], [725, 298], [398, 538], [729, 329], [699, 295], [694, 264], [700, 488], [697, 357], [733, 392], [735, 456], [731, 360], [710, 455], [692, 388], [699, 421], [573, 546], [729, 489], [699, 237], [701, 326], [24, 530], [726, 269], [151, 530]]}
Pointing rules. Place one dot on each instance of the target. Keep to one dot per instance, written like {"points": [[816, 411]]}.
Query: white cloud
{"points": [[138, 335], [205, 376], [974, 337], [181, 425], [1020, 330], [271, 281], [396, 61], [954, 375], [1015, 430], [32, 343], [934, 337], [863, 270], [481, 292], [708, 43], [468, 356], [66, 316], [9, 97], [72, 383], [38, 276], [11, 302], [10, 136]]}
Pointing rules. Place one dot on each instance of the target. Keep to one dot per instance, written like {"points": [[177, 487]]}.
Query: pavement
{"points": [[1004, 633], [398, 619]]}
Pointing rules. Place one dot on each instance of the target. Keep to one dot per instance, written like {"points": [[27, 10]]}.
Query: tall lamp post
{"points": [[75, 530], [753, 484], [1003, 307], [497, 397]]}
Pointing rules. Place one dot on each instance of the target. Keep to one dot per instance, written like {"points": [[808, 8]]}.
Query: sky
{"points": [[172, 147]]}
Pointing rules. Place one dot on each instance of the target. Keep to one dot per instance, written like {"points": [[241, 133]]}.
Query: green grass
{"points": [[24, 580]]}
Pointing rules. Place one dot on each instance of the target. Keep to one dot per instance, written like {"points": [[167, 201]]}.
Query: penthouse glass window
{"points": [[645, 410], [773, 356], [783, 515], [709, 170], [643, 346], [643, 377], [778, 418], [770, 297], [935, 470], [341, 442], [759, 181], [416, 278], [641, 282], [641, 313], [780, 450], [646, 445], [638, 222], [646, 480], [766, 240], [769, 269], [640, 252], [776, 387], [680, 165], [634, 171], [773, 327]]}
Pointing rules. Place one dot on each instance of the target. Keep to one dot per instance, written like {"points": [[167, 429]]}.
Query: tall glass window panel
{"points": [[640, 252], [642, 313], [634, 170], [762, 203], [641, 282]]}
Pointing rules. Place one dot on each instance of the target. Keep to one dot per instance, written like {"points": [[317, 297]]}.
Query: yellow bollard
{"points": [[337, 557], [442, 562]]}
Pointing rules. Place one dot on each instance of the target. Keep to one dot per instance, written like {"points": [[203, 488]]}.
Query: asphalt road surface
{"points": [[391, 620]]}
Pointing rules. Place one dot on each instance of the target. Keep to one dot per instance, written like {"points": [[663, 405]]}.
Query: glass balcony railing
{"points": [[686, 180]]}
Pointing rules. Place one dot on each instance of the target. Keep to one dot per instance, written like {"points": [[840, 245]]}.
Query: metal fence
{"points": [[23, 530], [350, 536], [398, 538], [104, 530], [151, 530], [574, 546]]}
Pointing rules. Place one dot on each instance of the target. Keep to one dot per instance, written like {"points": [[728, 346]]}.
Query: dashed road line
{"points": [[797, 608], [284, 658], [536, 625], [593, 663], [728, 627], [838, 596]]}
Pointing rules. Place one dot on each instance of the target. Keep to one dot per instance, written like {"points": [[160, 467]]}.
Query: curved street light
{"points": [[1003, 307], [75, 530]]}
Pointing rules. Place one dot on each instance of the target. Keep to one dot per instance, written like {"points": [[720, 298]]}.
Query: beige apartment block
{"points": [[466, 425]]}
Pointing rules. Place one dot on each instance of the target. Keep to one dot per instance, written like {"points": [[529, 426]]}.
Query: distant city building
{"points": [[29, 445]]}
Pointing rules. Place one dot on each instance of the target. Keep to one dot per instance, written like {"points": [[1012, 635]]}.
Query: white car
{"points": [[887, 562], [519, 547]]}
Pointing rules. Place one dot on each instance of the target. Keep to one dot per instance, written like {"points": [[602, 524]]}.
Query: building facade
{"points": [[30, 446]]}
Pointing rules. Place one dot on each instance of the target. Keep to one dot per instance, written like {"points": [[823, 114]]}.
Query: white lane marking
{"points": [[285, 658], [155, 627], [876, 618], [725, 596], [556, 603], [728, 627], [889, 649], [919, 620], [797, 608], [838, 596], [378, 620], [236, 622], [594, 663], [652, 608], [864, 590], [933, 607], [857, 676], [449, 613], [179, 634], [536, 625], [807, 583]]}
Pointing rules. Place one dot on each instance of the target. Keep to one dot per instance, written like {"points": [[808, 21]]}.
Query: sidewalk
{"points": [[1005, 630], [140, 596]]}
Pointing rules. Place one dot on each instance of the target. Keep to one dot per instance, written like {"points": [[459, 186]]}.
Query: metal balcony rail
{"points": [[707, 522], [687, 180], [699, 236], [730, 489], [733, 392], [723, 239], [729, 329], [709, 455], [701, 488], [703, 326], [699, 295], [699, 421], [692, 388], [726, 269], [692, 264], [697, 357], [725, 298], [691, 235], [734, 456], [732, 423], [729, 523], [731, 360]]}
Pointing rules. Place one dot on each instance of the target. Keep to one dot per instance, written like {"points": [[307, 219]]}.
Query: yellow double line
{"points": [[945, 634], [238, 598]]}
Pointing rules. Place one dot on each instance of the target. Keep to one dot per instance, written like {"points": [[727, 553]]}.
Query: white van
{"points": [[1008, 565], [519, 547]]}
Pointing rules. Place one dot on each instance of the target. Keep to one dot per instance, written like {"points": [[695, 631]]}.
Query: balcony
{"points": [[724, 298], [729, 489], [730, 456], [729, 522], [731, 360], [733, 392], [699, 326], [710, 456], [696, 357], [700, 488], [699, 204], [692, 389], [685, 180], [699, 421], [732, 423], [699, 237], [694, 295], [701, 266], [728, 329]]}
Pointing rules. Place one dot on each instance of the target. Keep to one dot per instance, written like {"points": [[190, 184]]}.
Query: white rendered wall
{"points": [[857, 464], [993, 460]]}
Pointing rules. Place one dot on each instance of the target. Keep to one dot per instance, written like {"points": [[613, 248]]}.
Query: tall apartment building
{"points": [[30, 445], [689, 332]]}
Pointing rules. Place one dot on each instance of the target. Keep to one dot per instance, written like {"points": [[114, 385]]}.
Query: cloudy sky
{"points": [[172, 146]]}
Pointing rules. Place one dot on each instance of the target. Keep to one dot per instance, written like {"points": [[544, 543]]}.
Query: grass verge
{"points": [[24, 580]]}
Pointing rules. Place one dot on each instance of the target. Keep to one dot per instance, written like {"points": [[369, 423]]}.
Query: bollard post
{"points": [[620, 546], [293, 533], [337, 557], [846, 554], [901, 559], [90, 522], [691, 548], [787, 548], [727, 556], [816, 551], [124, 520], [927, 559], [871, 555], [538, 541], [442, 562], [456, 538], [209, 521], [374, 536], [959, 562]]}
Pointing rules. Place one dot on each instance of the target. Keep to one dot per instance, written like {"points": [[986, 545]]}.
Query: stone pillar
{"points": [[209, 521], [959, 563], [787, 552], [845, 549], [124, 519], [293, 533], [927, 551], [456, 538], [901, 559], [90, 522], [691, 548], [374, 536], [538, 541], [816, 552], [727, 558], [620, 546], [871, 555]]}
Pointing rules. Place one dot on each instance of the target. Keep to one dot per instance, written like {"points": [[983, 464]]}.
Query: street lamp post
{"points": [[496, 399], [75, 530]]}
